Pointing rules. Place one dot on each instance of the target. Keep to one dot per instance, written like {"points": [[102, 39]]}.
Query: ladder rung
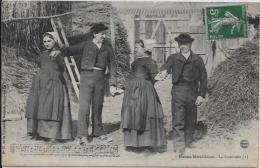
{"points": [[71, 64]]}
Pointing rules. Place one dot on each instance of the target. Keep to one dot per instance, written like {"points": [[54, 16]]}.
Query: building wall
{"points": [[190, 23], [164, 35]]}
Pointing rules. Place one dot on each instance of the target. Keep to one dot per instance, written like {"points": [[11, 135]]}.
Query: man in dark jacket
{"points": [[97, 58], [189, 83]]}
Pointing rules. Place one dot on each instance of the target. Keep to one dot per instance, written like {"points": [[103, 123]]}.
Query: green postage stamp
{"points": [[223, 22]]}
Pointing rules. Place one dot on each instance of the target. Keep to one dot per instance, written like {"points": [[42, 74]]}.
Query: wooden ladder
{"points": [[69, 61]]}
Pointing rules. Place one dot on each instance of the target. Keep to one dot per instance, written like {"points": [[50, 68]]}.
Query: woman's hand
{"points": [[199, 101], [114, 91], [161, 75], [158, 77]]}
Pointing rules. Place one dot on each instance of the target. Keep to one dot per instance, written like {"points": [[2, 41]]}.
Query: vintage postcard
{"points": [[130, 83]]}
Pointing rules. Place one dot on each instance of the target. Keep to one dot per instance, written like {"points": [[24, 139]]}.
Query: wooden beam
{"points": [[156, 28], [41, 17], [167, 29]]}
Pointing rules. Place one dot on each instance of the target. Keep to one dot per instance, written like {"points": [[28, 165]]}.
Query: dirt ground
{"points": [[230, 145]]}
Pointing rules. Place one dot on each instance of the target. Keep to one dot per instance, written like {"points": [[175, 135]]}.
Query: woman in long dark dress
{"points": [[142, 114], [48, 109]]}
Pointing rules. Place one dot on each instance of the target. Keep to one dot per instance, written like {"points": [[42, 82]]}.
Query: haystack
{"points": [[86, 14], [25, 34], [233, 90]]}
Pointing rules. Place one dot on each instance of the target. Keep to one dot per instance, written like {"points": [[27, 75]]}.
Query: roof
{"points": [[156, 8], [170, 8], [157, 12]]}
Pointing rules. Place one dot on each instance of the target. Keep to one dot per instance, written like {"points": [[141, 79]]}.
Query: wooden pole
{"points": [[134, 39], [156, 28], [112, 29], [41, 17], [112, 38]]}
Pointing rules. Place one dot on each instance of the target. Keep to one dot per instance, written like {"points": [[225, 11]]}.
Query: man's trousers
{"points": [[184, 115], [92, 87]]}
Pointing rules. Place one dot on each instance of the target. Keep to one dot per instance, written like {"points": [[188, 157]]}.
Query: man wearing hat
{"points": [[189, 84], [97, 61]]}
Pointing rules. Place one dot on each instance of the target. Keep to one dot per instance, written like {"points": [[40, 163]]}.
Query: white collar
{"points": [[143, 56], [186, 55], [97, 44]]}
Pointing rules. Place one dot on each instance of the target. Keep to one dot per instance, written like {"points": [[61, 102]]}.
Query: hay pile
{"points": [[17, 72], [233, 90]]}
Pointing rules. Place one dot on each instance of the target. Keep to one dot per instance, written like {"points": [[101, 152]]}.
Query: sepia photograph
{"points": [[130, 83]]}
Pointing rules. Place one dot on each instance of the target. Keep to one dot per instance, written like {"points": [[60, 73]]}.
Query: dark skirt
{"points": [[142, 115], [48, 128]]}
